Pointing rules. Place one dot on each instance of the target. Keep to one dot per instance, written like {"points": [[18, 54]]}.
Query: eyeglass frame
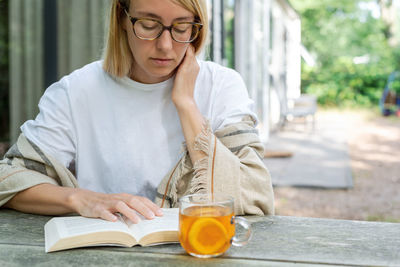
{"points": [[169, 28]]}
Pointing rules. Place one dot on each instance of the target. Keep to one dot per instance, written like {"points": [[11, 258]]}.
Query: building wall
{"points": [[285, 64], [267, 39]]}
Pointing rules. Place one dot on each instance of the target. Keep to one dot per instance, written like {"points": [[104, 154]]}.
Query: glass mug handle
{"points": [[241, 241]]}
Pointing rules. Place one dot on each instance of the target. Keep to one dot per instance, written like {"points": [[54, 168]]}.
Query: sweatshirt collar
{"points": [[128, 82]]}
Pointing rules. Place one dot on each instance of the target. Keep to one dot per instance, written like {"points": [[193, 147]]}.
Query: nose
{"points": [[164, 42]]}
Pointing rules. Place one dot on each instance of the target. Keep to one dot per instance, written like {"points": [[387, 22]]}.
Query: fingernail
{"points": [[151, 215], [159, 212]]}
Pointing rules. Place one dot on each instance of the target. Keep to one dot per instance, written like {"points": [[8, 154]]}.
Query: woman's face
{"points": [[155, 61]]}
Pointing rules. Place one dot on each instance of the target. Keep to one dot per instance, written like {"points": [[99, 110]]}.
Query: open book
{"points": [[77, 231]]}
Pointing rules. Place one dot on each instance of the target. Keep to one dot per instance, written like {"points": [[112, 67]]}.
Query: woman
{"points": [[119, 125]]}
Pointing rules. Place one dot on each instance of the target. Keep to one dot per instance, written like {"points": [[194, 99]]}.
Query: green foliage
{"points": [[336, 32], [346, 84], [396, 87]]}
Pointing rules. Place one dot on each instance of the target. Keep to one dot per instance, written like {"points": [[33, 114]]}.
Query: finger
{"points": [[190, 52], [124, 209], [185, 60], [156, 209], [139, 205], [108, 216]]}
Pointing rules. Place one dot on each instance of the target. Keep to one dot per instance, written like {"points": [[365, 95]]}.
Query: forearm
{"points": [[182, 96], [192, 123], [46, 199]]}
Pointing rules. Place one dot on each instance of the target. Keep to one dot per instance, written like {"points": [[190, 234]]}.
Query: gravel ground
{"points": [[374, 147]]}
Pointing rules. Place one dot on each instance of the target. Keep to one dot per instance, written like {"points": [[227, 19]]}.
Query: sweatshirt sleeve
{"points": [[26, 165], [52, 129], [236, 168], [232, 101], [233, 166], [233, 163]]}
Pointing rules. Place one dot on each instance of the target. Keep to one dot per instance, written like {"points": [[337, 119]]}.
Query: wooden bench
{"points": [[277, 241]]}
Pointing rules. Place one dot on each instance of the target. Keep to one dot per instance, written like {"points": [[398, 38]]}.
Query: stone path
{"points": [[320, 158]]}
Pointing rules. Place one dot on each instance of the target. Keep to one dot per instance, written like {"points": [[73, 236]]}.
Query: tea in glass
{"points": [[207, 225], [206, 230]]}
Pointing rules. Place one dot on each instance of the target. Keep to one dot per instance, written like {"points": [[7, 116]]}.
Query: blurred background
{"points": [[324, 76]]}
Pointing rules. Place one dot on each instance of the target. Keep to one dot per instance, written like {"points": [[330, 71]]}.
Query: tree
{"points": [[352, 50]]}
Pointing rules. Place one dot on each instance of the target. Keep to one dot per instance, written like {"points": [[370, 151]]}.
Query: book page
{"points": [[77, 225], [168, 222]]}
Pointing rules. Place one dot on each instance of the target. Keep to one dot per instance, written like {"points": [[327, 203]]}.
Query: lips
{"points": [[162, 61]]}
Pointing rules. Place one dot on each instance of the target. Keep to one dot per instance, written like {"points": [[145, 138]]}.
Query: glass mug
{"points": [[207, 225]]}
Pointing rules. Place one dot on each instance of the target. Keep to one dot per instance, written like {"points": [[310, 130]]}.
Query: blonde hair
{"points": [[117, 54]]}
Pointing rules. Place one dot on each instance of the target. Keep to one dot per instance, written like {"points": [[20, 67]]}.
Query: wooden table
{"points": [[277, 241]]}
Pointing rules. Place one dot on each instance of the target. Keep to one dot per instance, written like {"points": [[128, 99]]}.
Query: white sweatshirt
{"points": [[125, 136]]}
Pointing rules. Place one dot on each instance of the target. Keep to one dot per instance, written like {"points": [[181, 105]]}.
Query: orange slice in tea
{"points": [[207, 235]]}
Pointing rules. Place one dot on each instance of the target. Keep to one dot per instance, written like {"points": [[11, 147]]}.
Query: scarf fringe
{"points": [[202, 140], [199, 182], [173, 193], [200, 167]]}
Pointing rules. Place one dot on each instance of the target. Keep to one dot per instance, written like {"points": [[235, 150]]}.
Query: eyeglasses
{"points": [[151, 29]]}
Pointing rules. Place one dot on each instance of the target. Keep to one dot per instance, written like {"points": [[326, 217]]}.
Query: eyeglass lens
{"points": [[151, 29]]}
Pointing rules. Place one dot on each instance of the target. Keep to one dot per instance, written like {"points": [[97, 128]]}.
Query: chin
{"points": [[163, 74]]}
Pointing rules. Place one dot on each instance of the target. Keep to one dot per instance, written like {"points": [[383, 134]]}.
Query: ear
{"points": [[126, 23], [122, 16], [123, 21]]}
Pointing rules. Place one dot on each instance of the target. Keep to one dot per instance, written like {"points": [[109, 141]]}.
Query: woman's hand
{"points": [[99, 205], [48, 199], [185, 79], [192, 120]]}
